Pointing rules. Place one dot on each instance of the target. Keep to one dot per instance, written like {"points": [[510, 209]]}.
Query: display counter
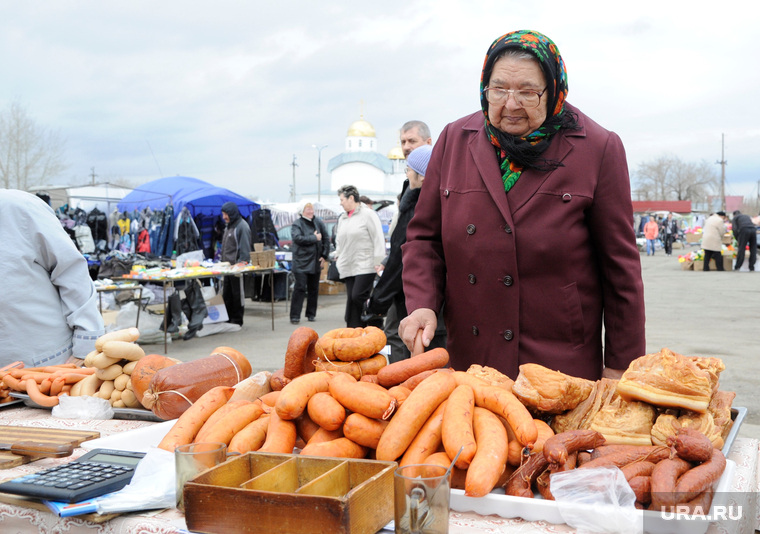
{"points": [[19, 516]]}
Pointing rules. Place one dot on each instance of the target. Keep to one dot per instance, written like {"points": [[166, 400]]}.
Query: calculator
{"points": [[96, 473]]}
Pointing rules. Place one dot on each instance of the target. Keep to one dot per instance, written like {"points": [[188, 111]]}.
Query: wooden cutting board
{"points": [[58, 436]]}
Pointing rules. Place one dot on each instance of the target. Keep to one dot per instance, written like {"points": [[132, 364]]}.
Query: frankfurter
{"points": [[457, 428], [127, 334], [427, 440], [367, 399], [327, 412], [337, 448], [294, 397], [490, 459], [281, 435], [363, 430], [397, 372]]}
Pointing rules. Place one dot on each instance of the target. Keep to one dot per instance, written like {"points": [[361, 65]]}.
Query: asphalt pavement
{"points": [[692, 313]]}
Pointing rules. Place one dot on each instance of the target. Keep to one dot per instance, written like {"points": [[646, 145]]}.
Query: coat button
{"points": [[508, 335], [475, 331], [508, 280], [470, 229], [508, 229], [567, 197], [471, 278], [446, 193]]}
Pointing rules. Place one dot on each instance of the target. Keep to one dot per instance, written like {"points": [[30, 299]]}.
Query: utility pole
{"points": [[293, 187], [723, 164], [319, 171], [92, 175]]}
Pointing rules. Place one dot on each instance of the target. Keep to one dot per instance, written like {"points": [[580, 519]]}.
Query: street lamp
{"points": [[319, 171]]}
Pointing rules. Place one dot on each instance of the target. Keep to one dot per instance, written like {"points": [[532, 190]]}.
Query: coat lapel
{"points": [[484, 155]]}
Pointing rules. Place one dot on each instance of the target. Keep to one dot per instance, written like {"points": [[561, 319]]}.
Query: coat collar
{"points": [[484, 155]]}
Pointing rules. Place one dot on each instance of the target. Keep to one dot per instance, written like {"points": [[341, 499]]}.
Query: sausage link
{"points": [[664, 476], [521, 481], [642, 488], [558, 447], [637, 469], [700, 478], [625, 457], [691, 445]]}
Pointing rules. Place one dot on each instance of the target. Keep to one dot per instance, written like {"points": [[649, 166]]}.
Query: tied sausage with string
{"points": [[174, 389]]}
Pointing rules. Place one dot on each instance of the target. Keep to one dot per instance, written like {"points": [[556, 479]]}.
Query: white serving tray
{"points": [[538, 509], [138, 414]]}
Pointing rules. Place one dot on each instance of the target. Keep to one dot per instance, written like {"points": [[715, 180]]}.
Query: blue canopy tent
{"points": [[203, 200]]}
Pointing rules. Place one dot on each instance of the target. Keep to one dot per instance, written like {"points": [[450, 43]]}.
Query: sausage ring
{"points": [[351, 344], [300, 354]]}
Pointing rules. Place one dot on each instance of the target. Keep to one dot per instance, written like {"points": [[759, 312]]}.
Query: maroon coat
{"points": [[529, 275]]}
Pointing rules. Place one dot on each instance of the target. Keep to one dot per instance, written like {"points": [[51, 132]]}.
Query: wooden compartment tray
{"points": [[287, 493]]}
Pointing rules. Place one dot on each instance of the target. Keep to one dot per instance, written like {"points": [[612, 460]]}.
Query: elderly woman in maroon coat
{"points": [[523, 229]]}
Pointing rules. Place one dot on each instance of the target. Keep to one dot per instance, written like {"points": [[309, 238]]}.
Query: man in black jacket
{"points": [[236, 248], [311, 247], [745, 233]]}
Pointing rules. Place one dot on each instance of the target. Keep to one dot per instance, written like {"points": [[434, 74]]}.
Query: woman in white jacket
{"points": [[359, 251]]}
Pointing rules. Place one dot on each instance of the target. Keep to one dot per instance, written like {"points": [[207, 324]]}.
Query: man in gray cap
{"points": [[236, 248]]}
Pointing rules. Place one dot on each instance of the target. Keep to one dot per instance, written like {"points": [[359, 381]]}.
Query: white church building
{"points": [[377, 176]]}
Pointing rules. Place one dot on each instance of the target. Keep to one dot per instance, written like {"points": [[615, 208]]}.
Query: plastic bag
{"points": [[82, 407], [152, 486], [194, 257], [597, 500]]}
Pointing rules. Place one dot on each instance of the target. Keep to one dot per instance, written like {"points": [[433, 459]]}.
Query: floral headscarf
{"points": [[518, 153]]}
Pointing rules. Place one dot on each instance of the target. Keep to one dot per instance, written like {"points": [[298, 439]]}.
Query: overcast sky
{"points": [[229, 91]]}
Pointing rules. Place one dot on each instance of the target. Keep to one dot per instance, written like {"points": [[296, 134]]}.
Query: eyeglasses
{"points": [[524, 98]]}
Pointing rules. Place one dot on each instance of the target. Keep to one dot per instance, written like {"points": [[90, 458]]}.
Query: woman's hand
{"points": [[420, 324]]}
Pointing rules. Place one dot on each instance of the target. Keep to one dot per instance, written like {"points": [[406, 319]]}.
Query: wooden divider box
{"points": [[286, 493]]}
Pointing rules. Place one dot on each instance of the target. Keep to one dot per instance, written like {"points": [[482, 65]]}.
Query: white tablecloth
{"points": [[22, 519]]}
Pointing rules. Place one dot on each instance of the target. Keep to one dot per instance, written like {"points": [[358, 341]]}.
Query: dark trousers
{"points": [[358, 289], [667, 243], [747, 236], [232, 299], [306, 286], [716, 255]]}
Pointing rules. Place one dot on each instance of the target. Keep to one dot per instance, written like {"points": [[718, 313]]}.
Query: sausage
{"points": [[457, 477], [337, 448], [637, 468], [350, 344], [281, 435], [322, 435], [457, 428], [278, 381], [305, 426], [123, 350], [404, 426], [363, 430], [127, 334], [557, 447], [614, 449], [699, 478], [412, 382], [359, 369], [427, 440], [327, 412], [642, 488], [521, 481], [33, 389], [174, 389], [361, 397], [502, 403], [300, 354], [691, 445], [543, 483], [633, 453], [397, 372], [400, 393], [218, 414], [699, 505], [232, 423], [516, 448], [251, 437], [664, 476], [490, 459], [294, 397], [372, 379]]}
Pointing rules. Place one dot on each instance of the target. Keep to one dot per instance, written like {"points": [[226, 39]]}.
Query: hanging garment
{"points": [[84, 239], [186, 233], [143, 242]]}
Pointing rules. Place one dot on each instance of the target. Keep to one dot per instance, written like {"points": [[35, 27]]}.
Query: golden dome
{"points": [[396, 153], [361, 128]]}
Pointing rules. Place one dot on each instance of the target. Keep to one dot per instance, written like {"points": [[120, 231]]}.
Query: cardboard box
{"points": [[728, 264], [264, 259], [328, 287], [217, 312], [693, 238], [109, 316], [727, 239], [687, 265], [285, 493]]}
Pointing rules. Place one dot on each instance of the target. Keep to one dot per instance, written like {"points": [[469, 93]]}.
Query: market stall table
{"points": [[169, 279], [32, 516]]}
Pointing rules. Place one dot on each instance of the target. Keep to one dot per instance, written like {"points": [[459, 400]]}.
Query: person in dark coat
{"points": [[745, 232], [524, 229], [389, 290], [311, 247], [236, 248]]}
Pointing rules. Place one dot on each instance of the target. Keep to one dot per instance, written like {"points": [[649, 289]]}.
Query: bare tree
{"points": [[29, 154], [669, 178]]}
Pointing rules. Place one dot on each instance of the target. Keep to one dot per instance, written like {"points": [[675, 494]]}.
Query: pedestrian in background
{"points": [[359, 252], [712, 235], [668, 233], [651, 231], [745, 233], [236, 248], [311, 247]]}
